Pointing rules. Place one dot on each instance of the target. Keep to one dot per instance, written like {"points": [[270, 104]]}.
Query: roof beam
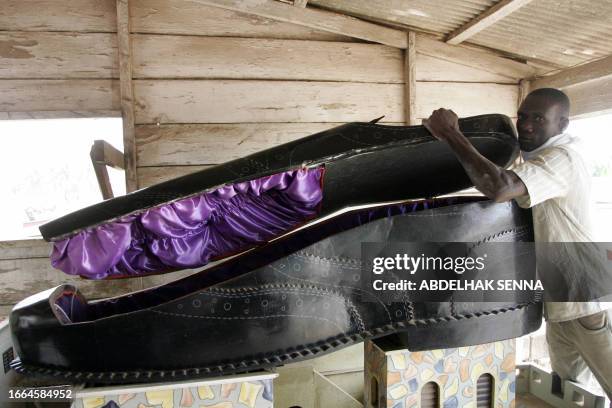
{"points": [[483, 60], [484, 20], [353, 27], [591, 71], [590, 98], [317, 19], [524, 89]]}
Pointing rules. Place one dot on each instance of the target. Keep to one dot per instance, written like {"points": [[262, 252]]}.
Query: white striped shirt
{"points": [[558, 191]]}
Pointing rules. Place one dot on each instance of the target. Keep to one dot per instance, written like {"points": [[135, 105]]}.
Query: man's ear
{"points": [[563, 124]]}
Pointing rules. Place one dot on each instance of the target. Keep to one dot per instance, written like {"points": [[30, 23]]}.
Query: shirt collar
{"points": [[560, 139]]}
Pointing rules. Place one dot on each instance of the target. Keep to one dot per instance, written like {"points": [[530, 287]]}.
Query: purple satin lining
{"points": [[191, 232]]}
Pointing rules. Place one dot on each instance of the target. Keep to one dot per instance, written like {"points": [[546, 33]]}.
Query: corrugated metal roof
{"points": [[562, 32], [433, 16]]}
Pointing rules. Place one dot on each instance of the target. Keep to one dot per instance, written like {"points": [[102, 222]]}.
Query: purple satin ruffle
{"points": [[191, 232]]}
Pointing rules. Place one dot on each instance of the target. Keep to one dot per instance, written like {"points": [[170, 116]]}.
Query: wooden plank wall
{"points": [[203, 97], [210, 85], [25, 270], [58, 59]]}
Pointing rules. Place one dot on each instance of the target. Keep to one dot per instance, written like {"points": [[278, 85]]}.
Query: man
{"points": [[553, 181]]}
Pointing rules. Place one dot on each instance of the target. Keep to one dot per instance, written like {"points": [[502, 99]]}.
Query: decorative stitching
{"points": [[257, 292], [518, 231], [337, 286], [319, 292], [247, 317], [355, 313], [338, 261], [411, 310], [283, 357], [405, 305]]}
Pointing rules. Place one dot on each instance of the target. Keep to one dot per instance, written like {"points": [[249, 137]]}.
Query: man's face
{"points": [[538, 120]]}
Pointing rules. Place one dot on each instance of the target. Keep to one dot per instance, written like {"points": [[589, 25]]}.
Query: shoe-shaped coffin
{"points": [[227, 209], [294, 298]]}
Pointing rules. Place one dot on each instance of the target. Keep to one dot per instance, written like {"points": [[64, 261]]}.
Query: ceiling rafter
{"points": [[484, 20], [353, 27], [317, 19], [580, 74]]}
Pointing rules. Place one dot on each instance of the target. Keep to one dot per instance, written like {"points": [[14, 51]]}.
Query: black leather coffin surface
{"points": [[294, 298], [363, 164]]}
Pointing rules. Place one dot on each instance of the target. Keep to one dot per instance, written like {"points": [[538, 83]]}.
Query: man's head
{"points": [[542, 115]]}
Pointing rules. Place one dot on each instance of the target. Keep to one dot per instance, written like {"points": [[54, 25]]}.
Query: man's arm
{"points": [[493, 181]]}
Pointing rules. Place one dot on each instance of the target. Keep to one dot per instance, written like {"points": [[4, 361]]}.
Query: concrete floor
{"points": [[529, 401]]}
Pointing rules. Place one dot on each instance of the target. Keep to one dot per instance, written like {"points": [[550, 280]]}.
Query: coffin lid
{"points": [[362, 163]]}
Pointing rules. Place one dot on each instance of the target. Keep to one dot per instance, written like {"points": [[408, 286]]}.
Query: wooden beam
{"points": [[591, 71], [127, 94], [589, 98], [300, 3], [483, 60], [102, 176], [104, 154], [484, 20], [317, 19], [349, 26], [410, 79], [524, 89]]}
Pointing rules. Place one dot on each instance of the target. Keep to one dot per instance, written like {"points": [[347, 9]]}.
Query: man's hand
{"points": [[493, 181], [442, 124]]}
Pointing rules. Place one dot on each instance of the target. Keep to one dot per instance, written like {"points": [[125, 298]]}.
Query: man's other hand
{"points": [[442, 124]]}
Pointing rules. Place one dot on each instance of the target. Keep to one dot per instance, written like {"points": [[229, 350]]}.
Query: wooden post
{"points": [[410, 79], [127, 94], [104, 154], [524, 89], [127, 102]]}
